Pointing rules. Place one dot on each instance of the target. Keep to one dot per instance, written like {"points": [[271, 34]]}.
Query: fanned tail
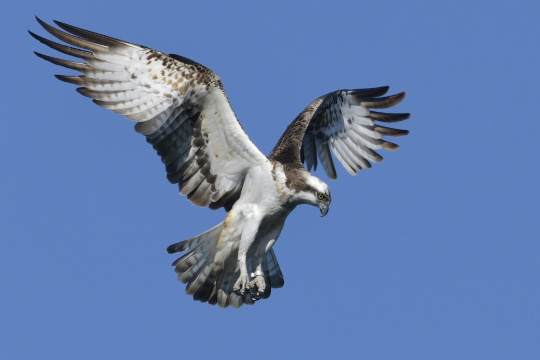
{"points": [[213, 283], [195, 268]]}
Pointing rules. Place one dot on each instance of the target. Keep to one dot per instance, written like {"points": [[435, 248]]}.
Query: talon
{"points": [[256, 295], [258, 285], [239, 292]]}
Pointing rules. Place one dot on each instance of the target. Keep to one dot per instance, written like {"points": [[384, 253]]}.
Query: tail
{"points": [[213, 283]]}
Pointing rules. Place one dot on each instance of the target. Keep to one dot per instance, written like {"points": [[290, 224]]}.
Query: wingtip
{"points": [[383, 130], [61, 24], [398, 97], [370, 92], [41, 39], [40, 55], [41, 22], [84, 92], [174, 248], [388, 117], [390, 146]]}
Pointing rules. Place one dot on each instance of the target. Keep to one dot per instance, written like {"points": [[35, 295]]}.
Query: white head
{"points": [[315, 192]]}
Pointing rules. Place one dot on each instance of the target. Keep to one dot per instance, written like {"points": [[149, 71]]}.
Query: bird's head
{"points": [[318, 193]]}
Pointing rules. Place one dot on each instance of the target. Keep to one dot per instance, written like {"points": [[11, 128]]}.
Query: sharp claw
{"points": [[256, 295], [257, 287], [254, 288]]}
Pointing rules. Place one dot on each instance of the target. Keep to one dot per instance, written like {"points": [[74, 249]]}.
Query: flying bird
{"points": [[181, 107]]}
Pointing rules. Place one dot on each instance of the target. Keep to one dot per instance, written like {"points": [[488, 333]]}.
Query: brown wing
{"points": [[344, 122]]}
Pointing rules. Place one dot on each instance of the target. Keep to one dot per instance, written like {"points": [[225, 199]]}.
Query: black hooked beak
{"points": [[324, 209]]}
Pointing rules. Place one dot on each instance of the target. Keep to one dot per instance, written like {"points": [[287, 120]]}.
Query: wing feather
{"points": [[178, 104], [341, 153], [344, 122]]}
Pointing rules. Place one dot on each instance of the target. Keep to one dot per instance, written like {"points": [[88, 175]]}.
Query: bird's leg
{"points": [[257, 285], [241, 286]]}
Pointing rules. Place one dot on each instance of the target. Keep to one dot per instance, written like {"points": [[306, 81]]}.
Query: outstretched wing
{"points": [[178, 104], [344, 122]]}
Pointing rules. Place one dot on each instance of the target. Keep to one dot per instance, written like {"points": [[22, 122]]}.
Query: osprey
{"points": [[182, 109]]}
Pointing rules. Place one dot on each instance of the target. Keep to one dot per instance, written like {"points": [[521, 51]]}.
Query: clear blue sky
{"points": [[432, 254]]}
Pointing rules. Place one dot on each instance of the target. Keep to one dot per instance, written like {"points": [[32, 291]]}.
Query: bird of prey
{"points": [[181, 108]]}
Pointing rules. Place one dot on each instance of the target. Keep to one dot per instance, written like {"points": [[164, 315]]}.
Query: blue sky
{"points": [[432, 254]]}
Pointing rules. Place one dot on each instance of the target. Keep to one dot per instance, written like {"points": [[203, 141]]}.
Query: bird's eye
{"points": [[320, 196]]}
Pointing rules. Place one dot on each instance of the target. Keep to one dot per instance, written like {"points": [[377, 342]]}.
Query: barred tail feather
{"points": [[206, 281], [195, 268]]}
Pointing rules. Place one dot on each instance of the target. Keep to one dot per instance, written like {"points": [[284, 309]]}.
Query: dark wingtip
{"points": [[178, 247], [34, 35], [384, 102], [69, 79], [389, 146], [41, 22], [383, 130], [377, 91], [388, 117], [40, 55], [66, 27]]}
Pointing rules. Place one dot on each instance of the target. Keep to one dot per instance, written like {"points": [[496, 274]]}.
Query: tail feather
{"points": [[201, 250], [224, 289], [201, 274], [272, 270], [189, 265], [190, 244], [210, 269], [203, 286], [224, 294], [195, 262]]}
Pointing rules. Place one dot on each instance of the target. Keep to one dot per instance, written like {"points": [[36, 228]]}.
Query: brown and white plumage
{"points": [[343, 122], [179, 106], [182, 109]]}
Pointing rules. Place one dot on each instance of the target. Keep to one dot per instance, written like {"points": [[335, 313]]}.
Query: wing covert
{"points": [[178, 104]]}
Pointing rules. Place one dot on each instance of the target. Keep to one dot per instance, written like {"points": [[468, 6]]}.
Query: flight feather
{"points": [[178, 104]]}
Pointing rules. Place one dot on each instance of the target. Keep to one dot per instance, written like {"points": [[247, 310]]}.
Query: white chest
{"points": [[263, 193]]}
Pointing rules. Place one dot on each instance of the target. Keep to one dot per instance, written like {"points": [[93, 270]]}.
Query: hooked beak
{"points": [[324, 209]]}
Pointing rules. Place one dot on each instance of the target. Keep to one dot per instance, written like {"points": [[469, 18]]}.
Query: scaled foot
{"points": [[257, 287], [241, 286]]}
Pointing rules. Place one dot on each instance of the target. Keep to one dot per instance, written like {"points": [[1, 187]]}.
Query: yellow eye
{"points": [[320, 196]]}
